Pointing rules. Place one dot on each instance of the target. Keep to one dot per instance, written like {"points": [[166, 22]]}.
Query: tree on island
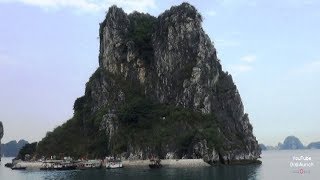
{"points": [[27, 151]]}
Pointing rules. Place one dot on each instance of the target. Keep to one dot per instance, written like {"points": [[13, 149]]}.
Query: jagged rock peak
{"points": [[115, 16], [184, 10], [124, 36]]}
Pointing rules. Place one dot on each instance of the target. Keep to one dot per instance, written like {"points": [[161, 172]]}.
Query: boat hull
{"points": [[155, 166], [19, 168], [59, 168], [115, 166], [66, 168]]}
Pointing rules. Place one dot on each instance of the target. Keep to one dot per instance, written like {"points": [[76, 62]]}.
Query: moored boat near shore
{"points": [[155, 163], [89, 164], [113, 163], [58, 165], [62, 167], [109, 163], [18, 167], [8, 165]]}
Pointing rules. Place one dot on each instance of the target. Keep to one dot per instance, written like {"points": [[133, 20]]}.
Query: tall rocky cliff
{"points": [[1, 135], [159, 91]]}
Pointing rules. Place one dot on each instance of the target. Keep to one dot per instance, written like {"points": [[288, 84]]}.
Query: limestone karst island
{"points": [[1, 135], [159, 93]]}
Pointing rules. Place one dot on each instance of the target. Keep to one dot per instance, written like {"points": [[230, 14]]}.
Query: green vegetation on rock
{"points": [[27, 150], [154, 126], [141, 28], [78, 137], [143, 123], [159, 91], [140, 32]]}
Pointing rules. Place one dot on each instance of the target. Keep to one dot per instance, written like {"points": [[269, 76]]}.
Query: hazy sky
{"points": [[49, 49]]}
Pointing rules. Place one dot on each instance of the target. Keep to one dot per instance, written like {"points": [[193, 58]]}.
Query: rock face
{"points": [[1, 135], [170, 60], [263, 147], [291, 142], [183, 70]]}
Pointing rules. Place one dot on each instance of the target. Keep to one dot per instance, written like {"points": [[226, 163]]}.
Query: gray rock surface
{"points": [[172, 62], [1, 135], [263, 147], [182, 69]]}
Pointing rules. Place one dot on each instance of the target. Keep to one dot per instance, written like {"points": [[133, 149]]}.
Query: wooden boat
{"points": [[155, 163], [65, 167], [8, 165], [18, 167], [112, 163], [58, 166], [90, 164]]}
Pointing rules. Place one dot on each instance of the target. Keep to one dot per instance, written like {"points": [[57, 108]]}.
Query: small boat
{"points": [[8, 165], [18, 167], [112, 163], [155, 163], [65, 167], [50, 164], [90, 164], [58, 166]]}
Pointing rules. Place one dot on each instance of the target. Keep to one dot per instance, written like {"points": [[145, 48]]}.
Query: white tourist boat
{"points": [[89, 164], [112, 163]]}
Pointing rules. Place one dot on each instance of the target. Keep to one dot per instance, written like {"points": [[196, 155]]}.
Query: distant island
{"points": [[12, 148], [291, 143], [314, 145]]}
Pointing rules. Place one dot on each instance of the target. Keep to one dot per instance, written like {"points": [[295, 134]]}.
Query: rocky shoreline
{"points": [[166, 163], [181, 163], [170, 163]]}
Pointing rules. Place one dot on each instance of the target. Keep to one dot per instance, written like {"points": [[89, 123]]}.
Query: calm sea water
{"points": [[275, 165]]}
